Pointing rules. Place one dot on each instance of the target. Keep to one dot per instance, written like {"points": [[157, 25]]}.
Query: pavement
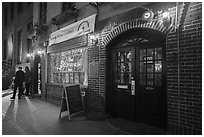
{"points": [[33, 116]]}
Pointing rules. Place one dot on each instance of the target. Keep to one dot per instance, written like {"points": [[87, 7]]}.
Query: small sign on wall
{"points": [[93, 69]]}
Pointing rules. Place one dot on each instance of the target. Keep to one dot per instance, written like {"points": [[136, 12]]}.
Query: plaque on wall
{"points": [[94, 52], [93, 69]]}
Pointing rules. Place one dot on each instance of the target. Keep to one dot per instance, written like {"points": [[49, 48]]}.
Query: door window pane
{"points": [[150, 52], [149, 82], [149, 76], [150, 67], [158, 79], [158, 53], [122, 67], [122, 81], [129, 56], [158, 66], [142, 67], [129, 67], [143, 54], [122, 57], [142, 79]]}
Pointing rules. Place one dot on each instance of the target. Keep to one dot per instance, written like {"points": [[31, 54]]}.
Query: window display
{"points": [[69, 67]]}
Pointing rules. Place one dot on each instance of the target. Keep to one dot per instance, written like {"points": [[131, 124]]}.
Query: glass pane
{"points": [[158, 79], [118, 58], [158, 53], [122, 67], [150, 67], [122, 57], [119, 68], [63, 78], [142, 79], [76, 78], [158, 66], [142, 67], [71, 79], [149, 76], [150, 52], [118, 78], [122, 80], [129, 67], [129, 56], [67, 77], [149, 82], [68, 61], [143, 54], [130, 78], [126, 78]]}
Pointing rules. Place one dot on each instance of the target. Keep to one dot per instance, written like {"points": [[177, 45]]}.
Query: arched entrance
{"points": [[136, 77]]}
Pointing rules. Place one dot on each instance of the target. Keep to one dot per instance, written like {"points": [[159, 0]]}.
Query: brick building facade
{"points": [[172, 31]]}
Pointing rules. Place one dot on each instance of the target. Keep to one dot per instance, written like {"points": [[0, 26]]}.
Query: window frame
{"points": [[75, 75]]}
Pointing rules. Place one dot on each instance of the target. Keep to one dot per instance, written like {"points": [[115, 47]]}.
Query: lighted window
{"points": [[69, 67]]}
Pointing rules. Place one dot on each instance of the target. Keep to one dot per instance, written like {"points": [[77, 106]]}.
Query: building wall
{"points": [[183, 54], [19, 22], [183, 67], [184, 70]]}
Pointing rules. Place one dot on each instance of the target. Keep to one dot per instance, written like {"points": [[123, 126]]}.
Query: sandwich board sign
{"points": [[71, 100]]}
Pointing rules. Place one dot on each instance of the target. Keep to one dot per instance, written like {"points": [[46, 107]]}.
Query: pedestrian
{"points": [[18, 83], [27, 80]]}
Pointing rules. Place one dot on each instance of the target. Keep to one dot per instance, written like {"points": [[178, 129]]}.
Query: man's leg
{"points": [[20, 88], [14, 92], [27, 89]]}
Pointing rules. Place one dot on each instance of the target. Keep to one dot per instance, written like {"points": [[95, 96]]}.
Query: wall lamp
{"points": [[94, 39], [167, 20]]}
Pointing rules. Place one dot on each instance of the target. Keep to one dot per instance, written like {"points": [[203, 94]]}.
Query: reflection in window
{"points": [[124, 67], [151, 67], [69, 67]]}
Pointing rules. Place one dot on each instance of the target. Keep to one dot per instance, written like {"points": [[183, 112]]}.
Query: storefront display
{"points": [[69, 67]]}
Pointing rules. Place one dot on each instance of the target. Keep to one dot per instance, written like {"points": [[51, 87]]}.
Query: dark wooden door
{"points": [[150, 84], [124, 71], [139, 83]]}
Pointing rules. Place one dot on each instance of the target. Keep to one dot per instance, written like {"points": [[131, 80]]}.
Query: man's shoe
{"points": [[12, 98]]}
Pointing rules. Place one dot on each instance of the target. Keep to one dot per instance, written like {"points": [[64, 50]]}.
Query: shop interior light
{"points": [[40, 52], [29, 55]]}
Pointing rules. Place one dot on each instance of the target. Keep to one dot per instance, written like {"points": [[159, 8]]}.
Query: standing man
{"points": [[18, 81], [27, 80]]}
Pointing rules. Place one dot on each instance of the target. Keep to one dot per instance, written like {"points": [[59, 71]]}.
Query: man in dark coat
{"points": [[19, 79]]}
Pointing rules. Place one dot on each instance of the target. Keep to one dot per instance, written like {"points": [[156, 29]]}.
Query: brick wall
{"points": [[183, 65], [184, 70]]}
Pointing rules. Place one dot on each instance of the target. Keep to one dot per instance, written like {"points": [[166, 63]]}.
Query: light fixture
{"points": [[167, 20], [148, 16], [28, 55], [165, 15], [93, 39], [40, 52]]}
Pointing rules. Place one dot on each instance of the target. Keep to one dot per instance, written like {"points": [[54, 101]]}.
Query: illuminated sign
{"points": [[79, 28]]}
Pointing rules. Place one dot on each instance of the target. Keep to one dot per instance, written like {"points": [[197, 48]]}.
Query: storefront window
{"points": [[69, 67]]}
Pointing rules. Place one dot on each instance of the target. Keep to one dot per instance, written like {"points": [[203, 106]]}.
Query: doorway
{"points": [[138, 77]]}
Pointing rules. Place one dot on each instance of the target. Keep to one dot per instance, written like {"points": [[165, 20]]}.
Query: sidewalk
{"points": [[33, 116]]}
